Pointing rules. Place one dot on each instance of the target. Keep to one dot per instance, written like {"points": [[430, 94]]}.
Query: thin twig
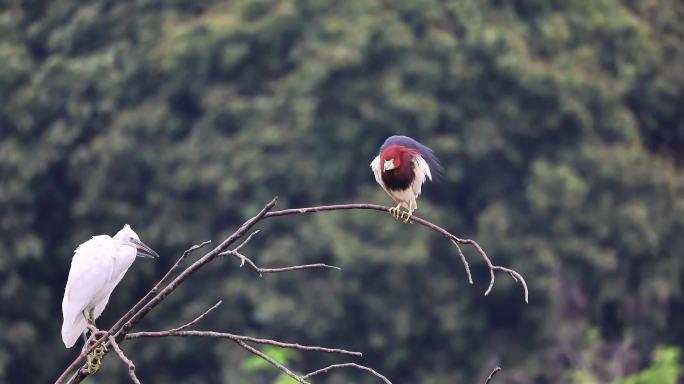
{"points": [[296, 268], [491, 375], [271, 360], [126, 360], [465, 261], [246, 240], [261, 271], [230, 336], [198, 318], [347, 365], [236, 249]]}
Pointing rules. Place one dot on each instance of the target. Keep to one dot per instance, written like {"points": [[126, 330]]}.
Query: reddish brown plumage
{"points": [[401, 177]]}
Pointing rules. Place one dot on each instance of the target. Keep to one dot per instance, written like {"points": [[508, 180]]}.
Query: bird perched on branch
{"points": [[401, 168], [97, 267]]}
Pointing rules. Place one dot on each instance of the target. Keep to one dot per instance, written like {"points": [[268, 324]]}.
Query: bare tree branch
{"points": [[272, 361], [78, 361], [491, 375], [347, 365], [423, 222], [126, 360], [465, 262], [230, 336], [119, 331], [246, 240], [157, 286], [198, 318], [261, 271]]}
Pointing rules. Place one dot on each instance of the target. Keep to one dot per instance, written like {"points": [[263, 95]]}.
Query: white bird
{"points": [[96, 268]]}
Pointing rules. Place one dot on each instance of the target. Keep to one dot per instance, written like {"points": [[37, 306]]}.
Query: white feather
{"points": [[96, 268], [421, 170], [377, 172]]}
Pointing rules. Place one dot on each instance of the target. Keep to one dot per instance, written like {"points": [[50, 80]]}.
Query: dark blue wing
{"points": [[435, 166]]}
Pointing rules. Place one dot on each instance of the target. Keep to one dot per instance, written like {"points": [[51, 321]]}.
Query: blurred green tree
{"points": [[559, 122]]}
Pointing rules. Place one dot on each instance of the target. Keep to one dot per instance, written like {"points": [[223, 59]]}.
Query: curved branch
{"points": [[347, 365], [491, 375], [196, 319], [157, 294], [271, 360], [261, 271], [230, 336], [457, 240], [126, 360]]}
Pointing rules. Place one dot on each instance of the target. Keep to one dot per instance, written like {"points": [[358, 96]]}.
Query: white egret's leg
{"points": [[88, 314], [85, 341], [94, 359]]}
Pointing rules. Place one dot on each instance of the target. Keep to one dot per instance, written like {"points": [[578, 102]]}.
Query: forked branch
{"points": [[119, 332], [126, 360], [455, 239], [261, 271]]}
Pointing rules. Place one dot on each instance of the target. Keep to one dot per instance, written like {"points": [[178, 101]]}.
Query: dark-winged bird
{"points": [[401, 168]]}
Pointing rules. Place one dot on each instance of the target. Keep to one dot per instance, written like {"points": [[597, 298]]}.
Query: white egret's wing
{"points": [[100, 306], [91, 269]]}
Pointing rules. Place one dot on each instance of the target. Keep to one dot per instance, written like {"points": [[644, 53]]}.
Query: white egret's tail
{"points": [[72, 329]]}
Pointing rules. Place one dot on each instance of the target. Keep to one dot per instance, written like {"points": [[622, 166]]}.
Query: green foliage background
{"points": [[561, 125]]}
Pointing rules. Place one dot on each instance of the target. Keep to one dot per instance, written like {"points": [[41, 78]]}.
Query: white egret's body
{"points": [[97, 267]]}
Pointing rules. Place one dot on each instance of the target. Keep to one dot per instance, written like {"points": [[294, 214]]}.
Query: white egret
{"points": [[97, 267]]}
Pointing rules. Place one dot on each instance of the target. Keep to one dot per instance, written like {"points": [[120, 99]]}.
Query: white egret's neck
{"points": [[125, 252]]}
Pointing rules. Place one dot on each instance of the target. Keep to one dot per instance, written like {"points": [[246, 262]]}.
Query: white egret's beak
{"points": [[389, 165], [143, 250]]}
